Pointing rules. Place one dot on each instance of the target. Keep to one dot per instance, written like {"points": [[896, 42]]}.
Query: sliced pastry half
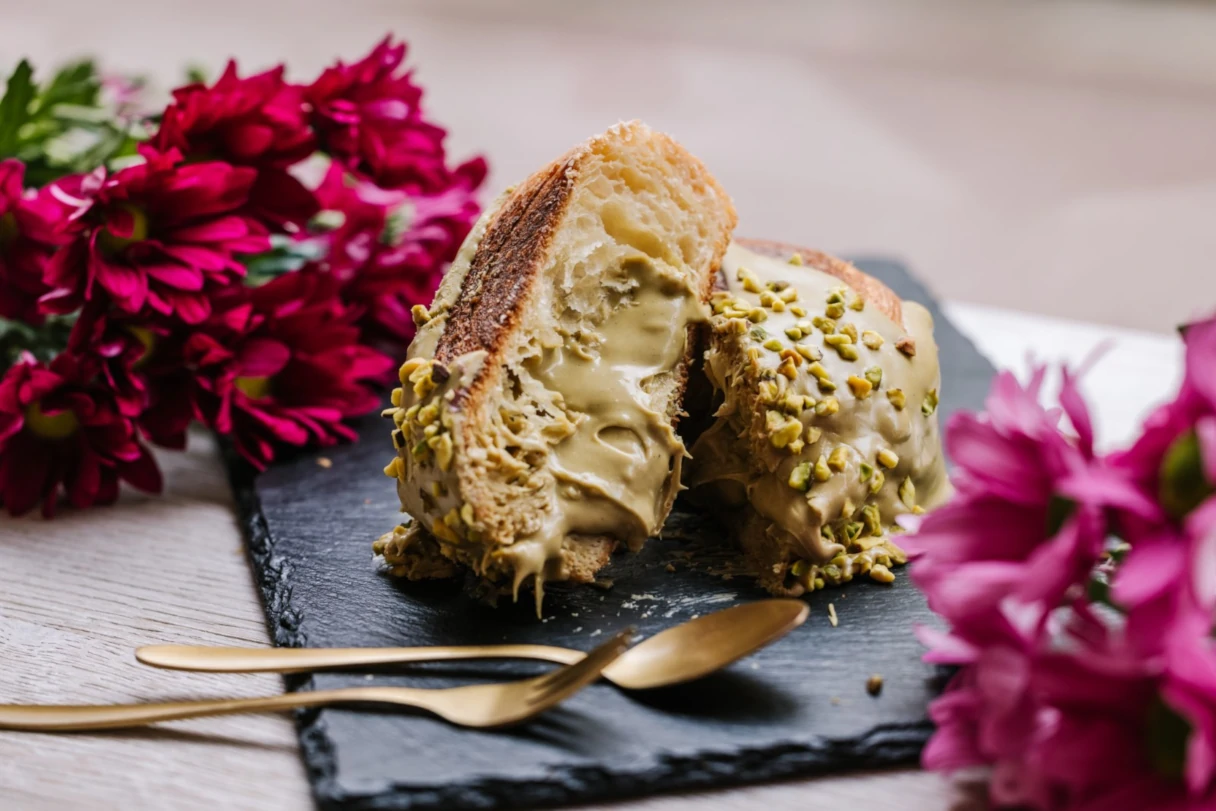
{"points": [[534, 425], [827, 427]]}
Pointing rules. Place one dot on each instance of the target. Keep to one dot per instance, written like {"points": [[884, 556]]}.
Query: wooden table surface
{"points": [[79, 593]]}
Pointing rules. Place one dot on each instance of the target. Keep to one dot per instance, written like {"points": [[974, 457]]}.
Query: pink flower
{"points": [[1169, 577], [391, 247], [259, 122], [162, 234], [27, 239], [61, 431], [1029, 518], [368, 117], [283, 364]]}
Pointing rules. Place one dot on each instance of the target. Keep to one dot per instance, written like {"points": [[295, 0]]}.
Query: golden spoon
{"points": [[481, 705], [679, 654]]}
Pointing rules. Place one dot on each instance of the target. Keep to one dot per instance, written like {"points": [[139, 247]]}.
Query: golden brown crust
{"points": [[872, 290]]}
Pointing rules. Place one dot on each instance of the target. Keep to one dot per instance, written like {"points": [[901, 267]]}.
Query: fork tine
{"points": [[555, 686]]}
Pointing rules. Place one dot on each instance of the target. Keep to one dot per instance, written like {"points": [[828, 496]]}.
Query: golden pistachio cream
{"points": [[602, 461], [828, 424]]}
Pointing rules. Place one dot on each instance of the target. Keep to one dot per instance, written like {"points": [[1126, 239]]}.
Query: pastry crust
{"points": [[629, 192]]}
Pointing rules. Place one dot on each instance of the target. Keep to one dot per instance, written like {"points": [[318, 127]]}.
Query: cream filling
{"points": [[618, 470], [725, 458]]}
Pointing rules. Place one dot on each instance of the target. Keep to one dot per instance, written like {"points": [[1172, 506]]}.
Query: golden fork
{"points": [[481, 706]]}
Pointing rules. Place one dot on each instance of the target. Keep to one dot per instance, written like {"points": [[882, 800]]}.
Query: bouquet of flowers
{"points": [[1079, 590], [246, 258]]}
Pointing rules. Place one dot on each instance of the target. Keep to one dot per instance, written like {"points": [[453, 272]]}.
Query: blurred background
{"points": [[1056, 157]]}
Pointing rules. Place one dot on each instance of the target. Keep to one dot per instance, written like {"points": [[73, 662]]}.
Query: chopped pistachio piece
{"points": [[397, 397], [758, 334], [791, 354], [466, 514], [846, 511], [838, 458], [860, 387], [847, 352], [865, 471], [825, 325], [887, 458], [811, 353], [835, 310], [897, 398], [827, 533], [393, 468], [822, 471], [871, 339], [813, 434], [767, 299], [800, 477], [858, 304], [877, 481], [796, 259], [827, 407], [777, 286], [798, 311], [778, 305], [872, 519], [796, 446], [794, 334], [756, 315], [849, 330], [906, 345], [837, 340], [929, 404], [874, 375], [773, 344], [790, 430], [788, 368], [881, 574], [907, 492], [736, 326], [793, 403], [836, 295], [420, 314], [442, 446], [818, 372], [853, 529], [773, 420], [767, 391], [789, 295], [428, 414]]}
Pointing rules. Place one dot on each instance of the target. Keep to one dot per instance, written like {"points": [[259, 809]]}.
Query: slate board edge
{"points": [[892, 745]]}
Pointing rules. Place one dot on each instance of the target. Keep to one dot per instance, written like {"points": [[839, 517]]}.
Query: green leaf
{"points": [[44, 342], [75, 84], [15, 107], [286, 256]]}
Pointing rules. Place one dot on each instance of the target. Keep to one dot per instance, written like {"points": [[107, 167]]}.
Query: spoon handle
{"points": [[85, 717], [296, 660]]}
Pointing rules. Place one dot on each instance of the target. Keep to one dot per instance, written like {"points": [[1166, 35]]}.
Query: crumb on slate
{"points": [[874, 685], [832, 615], [325, 462]]}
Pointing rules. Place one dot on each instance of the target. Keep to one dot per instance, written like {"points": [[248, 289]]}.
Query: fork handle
{"points": [[297, 660], [69, 718]]}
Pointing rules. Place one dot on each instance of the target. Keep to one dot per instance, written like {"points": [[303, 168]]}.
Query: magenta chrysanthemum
{"points": [[1087, 679], [27, 237], [258, 122], [391, 247], [283, 365], [62, 432], [161, 234], [367, 116]]}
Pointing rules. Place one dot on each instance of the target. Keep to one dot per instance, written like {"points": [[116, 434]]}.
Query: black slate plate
{"points": [[797, 708]]}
